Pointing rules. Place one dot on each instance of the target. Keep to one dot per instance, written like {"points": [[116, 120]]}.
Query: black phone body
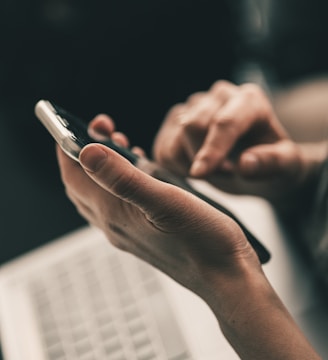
{"points": [[71, 133]]}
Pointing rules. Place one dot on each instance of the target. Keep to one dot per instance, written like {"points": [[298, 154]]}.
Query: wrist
{"points": [[236, 292], [254, 320]]}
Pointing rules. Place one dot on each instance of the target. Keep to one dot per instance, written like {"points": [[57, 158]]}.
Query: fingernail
{"points": [[198, 168], [250, 163], [92, 158]]}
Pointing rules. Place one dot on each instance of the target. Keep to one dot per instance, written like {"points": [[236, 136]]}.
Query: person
{"points": [[227, 133]]}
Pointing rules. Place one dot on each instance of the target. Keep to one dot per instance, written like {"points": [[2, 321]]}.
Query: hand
{"points": [[231, 137], [160, 223], [188, 240]]}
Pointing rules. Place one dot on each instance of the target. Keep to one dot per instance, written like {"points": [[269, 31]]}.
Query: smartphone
{"points": [[71, 133]]}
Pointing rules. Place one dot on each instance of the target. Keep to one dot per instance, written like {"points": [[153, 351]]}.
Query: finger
{"points": [[228, 125], [221, 136], [138, 151], [199, 110], [220, 90], [120, 139], [91, 200], [119, 177], [202, 105], [189, 125], [168, 149], [101, 127], [223, 89], [76, 182], [194, 126], [267, 160], [198, 104]]}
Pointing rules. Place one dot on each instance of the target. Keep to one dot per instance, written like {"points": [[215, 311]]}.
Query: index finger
{"points": [[238, 116]]}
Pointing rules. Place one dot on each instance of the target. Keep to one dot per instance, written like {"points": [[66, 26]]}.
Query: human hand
{"points": [[166, 226], [187, 239], [231, 136]]}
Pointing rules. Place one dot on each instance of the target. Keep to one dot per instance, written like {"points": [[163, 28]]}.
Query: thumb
{"points": [[118, 176], [265, 160]]}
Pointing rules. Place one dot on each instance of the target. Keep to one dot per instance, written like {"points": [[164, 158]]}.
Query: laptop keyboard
{"points": [[101, 305]]}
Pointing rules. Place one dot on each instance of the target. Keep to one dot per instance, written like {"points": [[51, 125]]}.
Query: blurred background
{"points": [[132, 60]]}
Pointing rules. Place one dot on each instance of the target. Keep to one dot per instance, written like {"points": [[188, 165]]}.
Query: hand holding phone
{"points": [[71, 133]]}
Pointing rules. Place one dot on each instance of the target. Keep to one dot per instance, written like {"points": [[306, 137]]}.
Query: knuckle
{"points": [[225, 124], [196, 97], [177, 109], [176, 113], [199, 117], [221, 87]]}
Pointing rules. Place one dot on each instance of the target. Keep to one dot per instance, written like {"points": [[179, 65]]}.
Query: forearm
{"points": [[257, 324]]}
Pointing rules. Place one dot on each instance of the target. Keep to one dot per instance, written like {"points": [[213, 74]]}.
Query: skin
{"points": [[231, 137], [187, 239]]}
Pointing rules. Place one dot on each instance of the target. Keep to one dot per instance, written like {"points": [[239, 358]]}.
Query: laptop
{"points": [[80, 298]]}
